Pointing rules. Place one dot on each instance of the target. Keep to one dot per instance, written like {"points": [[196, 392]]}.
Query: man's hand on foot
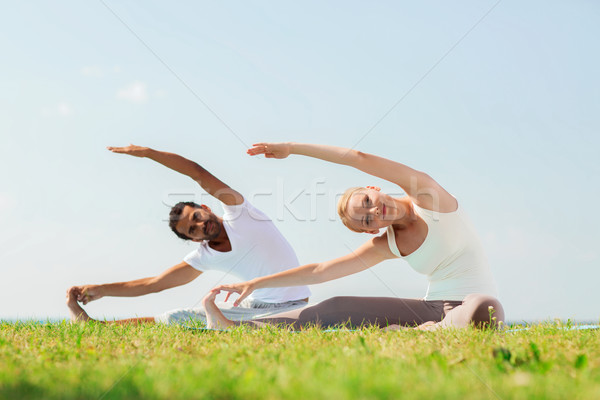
{"points": [[77, 313]]}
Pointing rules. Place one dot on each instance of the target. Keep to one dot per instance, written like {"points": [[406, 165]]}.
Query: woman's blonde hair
{"points": [[342, 206]]}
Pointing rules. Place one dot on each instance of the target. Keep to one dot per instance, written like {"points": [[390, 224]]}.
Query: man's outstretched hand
{"points": [[85, 293], [132, 150]]}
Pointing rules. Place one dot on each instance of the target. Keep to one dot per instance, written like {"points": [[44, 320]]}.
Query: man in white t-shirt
{"points": [[243, 242]]}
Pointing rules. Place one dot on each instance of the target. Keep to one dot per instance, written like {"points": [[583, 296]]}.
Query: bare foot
{"points": [[394, 327], [77, 313], [428, 326], [214, 317]]}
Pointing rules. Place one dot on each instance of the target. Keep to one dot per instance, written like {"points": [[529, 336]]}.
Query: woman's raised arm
{"points": [[371, 253], [422, 188]]}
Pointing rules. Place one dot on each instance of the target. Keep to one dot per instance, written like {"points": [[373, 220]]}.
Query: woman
{"points": [[427, 228]]}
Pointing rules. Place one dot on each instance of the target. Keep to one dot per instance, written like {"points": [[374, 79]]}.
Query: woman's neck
{"points": [[406, 215]]}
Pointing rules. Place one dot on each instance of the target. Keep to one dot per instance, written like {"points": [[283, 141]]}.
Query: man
{"points": [[244, 242]]}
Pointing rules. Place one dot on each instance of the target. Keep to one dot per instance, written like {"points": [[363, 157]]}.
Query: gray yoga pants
{"points": [[384, 311]]}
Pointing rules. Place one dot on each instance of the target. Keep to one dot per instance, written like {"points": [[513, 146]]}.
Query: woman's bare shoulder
{"points": [[435, 198], [381, 246]]}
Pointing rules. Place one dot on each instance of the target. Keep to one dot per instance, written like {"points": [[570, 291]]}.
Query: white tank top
{"points": [[451, 256]]}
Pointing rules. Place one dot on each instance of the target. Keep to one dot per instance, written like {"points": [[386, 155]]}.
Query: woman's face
{"points": [[369, 210]]}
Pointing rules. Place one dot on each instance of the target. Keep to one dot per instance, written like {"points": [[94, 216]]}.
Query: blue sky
{"points": [[497, 101]]}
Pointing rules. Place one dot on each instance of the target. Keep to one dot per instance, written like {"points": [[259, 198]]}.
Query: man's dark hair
{"points": [[175, 216]]}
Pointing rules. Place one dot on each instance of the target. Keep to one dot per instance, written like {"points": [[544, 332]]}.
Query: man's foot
{"points": [[395, 327], [77, 313], [214, 317]]}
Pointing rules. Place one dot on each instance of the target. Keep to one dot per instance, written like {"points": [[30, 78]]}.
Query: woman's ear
{"points": [[205, 207], [372, 232], [374, 188]]}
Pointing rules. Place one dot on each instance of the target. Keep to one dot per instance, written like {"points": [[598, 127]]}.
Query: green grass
{"points": [[95, 361]]}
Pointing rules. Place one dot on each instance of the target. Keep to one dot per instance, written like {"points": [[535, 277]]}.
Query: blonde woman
{"points": [[427, 228]]}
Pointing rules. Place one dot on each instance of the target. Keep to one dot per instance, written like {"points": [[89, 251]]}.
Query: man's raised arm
{"points": [[208, 181]]}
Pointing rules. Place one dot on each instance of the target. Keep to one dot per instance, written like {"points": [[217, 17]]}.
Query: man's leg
{"points": [[214, 317], [78, 314], [127, 321]]}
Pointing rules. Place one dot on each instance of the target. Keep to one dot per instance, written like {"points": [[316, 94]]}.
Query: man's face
{"points": [[199, 224]]}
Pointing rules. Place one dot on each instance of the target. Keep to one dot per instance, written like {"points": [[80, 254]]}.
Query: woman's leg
{"points": [[379, 311], [481, 310], [478, 309]]}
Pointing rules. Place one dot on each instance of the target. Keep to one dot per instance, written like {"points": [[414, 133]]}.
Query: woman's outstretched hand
{"points": [[243, 288], [270, 150], [132, 150]]}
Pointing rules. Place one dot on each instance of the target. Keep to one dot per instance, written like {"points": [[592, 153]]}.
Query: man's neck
{"points": [[221, 242]]}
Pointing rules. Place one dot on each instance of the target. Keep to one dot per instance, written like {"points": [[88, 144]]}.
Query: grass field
{"points": [[96, 361]]}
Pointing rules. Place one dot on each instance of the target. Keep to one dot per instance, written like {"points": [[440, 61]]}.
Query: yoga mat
{"points": [[566, 328]]}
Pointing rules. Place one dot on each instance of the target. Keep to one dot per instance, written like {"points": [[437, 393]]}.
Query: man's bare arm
{"points": [[178, 275], [211, 184]]}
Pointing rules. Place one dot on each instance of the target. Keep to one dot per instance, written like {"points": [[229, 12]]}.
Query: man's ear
{"points": [[205, 207], [374, 188]]}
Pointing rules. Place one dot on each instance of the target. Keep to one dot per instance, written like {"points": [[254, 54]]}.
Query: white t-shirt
{"points": [[257, 249]]}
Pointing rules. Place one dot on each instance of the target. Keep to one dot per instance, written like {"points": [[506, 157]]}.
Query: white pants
{"points": [[247, 310]]}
